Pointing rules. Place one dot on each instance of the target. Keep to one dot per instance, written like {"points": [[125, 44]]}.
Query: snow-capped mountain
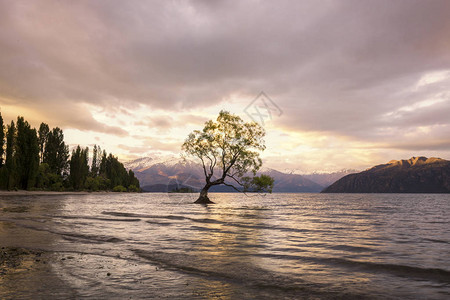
{"points": [[163, 174], [138, 164], [143, 163]]}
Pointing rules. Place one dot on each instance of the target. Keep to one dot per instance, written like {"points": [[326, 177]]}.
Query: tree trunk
{"points": [[203, 199]]}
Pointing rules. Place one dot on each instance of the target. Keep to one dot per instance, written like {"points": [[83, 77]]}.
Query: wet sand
{"points": [[14, 260], [26, 270], [44, 193], [27, 274]]}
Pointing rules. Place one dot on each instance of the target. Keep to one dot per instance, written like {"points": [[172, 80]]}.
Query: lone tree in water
{"points": [[230, 148]]}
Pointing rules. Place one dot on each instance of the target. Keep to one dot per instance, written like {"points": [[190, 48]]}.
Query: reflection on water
{"points": [[279, 246]]}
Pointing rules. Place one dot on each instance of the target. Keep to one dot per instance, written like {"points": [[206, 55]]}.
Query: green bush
{"points": [[133, 189], [103, 183], [119, 189], [57, 187], [3, 178], [92, 184]]}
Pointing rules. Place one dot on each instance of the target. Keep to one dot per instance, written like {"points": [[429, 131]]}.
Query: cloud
{"points": [[352, 69], [61, 115], [164, 121], [192, 53], [152, 145]]}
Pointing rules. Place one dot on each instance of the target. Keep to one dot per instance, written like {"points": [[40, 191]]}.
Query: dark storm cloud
{"points": [[333, 66]]}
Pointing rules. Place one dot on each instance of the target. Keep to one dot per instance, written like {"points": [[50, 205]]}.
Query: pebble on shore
{"points": [[14, 259]]}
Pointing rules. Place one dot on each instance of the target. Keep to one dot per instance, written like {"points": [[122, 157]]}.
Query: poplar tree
{"points": [[10, 163], [26, 155], [56, 153], [94, 165], [2, 140], [79, 168], [43, 139]]}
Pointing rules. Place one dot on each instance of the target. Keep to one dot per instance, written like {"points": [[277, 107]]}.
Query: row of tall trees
{"points": [[40, 160]]}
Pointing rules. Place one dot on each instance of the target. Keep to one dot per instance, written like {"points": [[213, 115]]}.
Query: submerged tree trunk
{"points": [[203, 199]]}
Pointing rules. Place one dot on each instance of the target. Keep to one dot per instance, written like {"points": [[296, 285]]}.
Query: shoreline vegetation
{"points": [[39, 160], [50, 193]]}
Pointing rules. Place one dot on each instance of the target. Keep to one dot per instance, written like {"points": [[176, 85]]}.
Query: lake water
{"points": [[281, 246]]}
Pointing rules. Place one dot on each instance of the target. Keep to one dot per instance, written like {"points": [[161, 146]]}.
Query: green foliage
{"points": [[102, 166], [230, 147], [34, 160], [2, 140], [10, 163], [259, 184], [43, 180], [56, 153], [79, 168], [95, 160], [3, 178], [43, 139], [57, 187], [27, 155], [103, 183], [116, 172], [133, 189], [92, 184], [119, 189], [132, 180], [47, 180], [40, 161], [98, 183], [111, 173]]}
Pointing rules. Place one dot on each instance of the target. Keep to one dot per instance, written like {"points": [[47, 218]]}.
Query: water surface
{"points": [[281, 246]]}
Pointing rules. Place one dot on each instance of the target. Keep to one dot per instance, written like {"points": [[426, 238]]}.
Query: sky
{"points": [[347, 84]]}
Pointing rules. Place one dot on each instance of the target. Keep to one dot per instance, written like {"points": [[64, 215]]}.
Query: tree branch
{"points": [[214, 165], [223, 159], [243, 192], [235, 188], [237, 181], [217, 181], [204, 168], [211, 171], [232, 162]]}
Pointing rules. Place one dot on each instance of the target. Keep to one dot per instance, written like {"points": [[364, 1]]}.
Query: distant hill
{"points": [[165, 175], [292, 183], [415, 175], [326, 179]]}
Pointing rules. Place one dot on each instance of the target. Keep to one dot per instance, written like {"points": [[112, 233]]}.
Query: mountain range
{"points": [[415, 175], [167, 174]]}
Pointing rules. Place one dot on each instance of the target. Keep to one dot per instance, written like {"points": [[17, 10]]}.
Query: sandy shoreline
{"points": [[49, 193], [15, 259], [27, 274]]}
